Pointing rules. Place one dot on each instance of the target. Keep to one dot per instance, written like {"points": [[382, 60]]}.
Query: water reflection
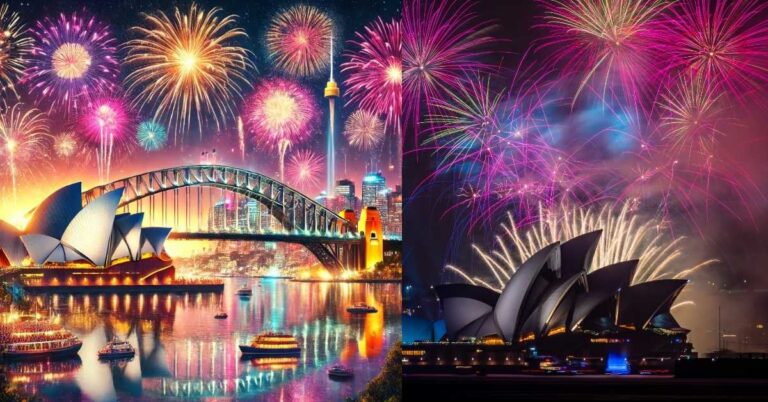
{"points": [[183, 352]]}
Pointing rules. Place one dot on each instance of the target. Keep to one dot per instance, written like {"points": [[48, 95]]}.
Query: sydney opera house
{"points": [[552, 306], [68, 243]]}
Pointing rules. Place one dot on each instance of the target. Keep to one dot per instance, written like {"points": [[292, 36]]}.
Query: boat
{"points": [[36, 338], [361, 308], [244, 291], [340, 372], [272, 344], [117, 349], [220, 315]]}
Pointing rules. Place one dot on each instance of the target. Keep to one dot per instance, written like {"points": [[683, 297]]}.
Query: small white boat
{"points": [[117, 349]]}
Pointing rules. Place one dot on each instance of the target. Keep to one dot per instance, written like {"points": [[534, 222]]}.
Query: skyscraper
{"points": [[345, 191], [375, 193]]}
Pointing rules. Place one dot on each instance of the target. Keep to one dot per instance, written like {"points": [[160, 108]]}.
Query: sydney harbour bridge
{"points": [[182, 198]]}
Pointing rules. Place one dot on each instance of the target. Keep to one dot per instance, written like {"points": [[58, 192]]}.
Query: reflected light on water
{"points": [[183, 352]]}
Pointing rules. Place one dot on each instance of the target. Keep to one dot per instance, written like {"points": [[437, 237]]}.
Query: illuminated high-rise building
{"points": [[345, 192], [331, 92], [375, 193]]}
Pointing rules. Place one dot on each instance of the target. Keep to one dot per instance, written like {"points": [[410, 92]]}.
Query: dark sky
{"points": [[430, 239]]}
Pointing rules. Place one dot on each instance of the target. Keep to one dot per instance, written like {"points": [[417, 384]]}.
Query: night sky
{"points": [[738, 242]]}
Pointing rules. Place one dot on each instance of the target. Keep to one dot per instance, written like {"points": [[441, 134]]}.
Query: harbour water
{"points": [[184, 353]]}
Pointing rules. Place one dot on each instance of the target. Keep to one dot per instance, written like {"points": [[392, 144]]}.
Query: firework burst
{"points": [[609, 39], [304, 169], [186, 68], [72, 63], [374, 70], [22, 133], [105, 123], [626, 236], [442, 40], [299, 40], [691, 115], [151, 135], [726, 42], [497, 142], [280, 113], [65, 144], [15, 47], [364, 130]]}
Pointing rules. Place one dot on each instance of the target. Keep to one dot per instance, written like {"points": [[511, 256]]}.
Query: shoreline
{"points": [[393, 280], [212, 287]]}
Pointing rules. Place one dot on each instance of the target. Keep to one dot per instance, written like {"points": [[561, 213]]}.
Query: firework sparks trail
{"points": [[609, 39], [105, 123], [625, 237], [692, 116], [280, 114], [304, 169], [724, 42], [299, 40], [442, 41], [72, 63], [375, 74], [15, 47], [186, 67], [241, 137], [23, 133], [497, 143]]}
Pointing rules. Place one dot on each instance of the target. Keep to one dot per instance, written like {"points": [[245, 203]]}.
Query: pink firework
{"points": [[281, 113], [374, 70], [442, 40], [726, 42], [72, 62], [105, 123], [606, 44], [304, 169]]}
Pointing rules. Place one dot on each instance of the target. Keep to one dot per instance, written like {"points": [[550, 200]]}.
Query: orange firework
{"points": [[299, 40]]}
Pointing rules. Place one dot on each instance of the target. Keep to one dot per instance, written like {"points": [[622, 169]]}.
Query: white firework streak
{"points": [[626, 236]]}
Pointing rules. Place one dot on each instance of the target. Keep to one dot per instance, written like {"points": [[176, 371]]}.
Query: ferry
{"points": [[340, 372], [117, 349], [361, 308], [272, 344], [244, 291], [35, 338]]}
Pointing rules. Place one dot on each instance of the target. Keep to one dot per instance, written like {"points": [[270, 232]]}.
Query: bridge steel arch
{"points": [[299, 214]]}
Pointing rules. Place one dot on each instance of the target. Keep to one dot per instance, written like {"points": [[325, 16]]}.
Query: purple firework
{"points": [[72, 62], [442, 41]]}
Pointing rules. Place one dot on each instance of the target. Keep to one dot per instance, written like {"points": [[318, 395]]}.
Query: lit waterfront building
{"points": [[375, 193], [68, 243], [394, 224]]}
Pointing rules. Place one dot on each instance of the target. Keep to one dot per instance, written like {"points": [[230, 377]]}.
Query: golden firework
{"points": [[71, 61], [187, 68], [15, 45]]}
